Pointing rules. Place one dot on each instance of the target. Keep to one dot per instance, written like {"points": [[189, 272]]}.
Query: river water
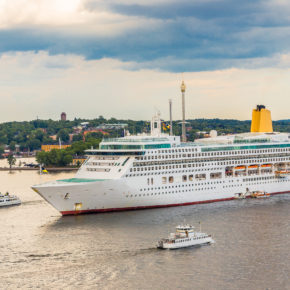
{"points": [[41, 249]]}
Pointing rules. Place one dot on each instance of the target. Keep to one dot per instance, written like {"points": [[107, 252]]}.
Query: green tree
{"points": [[33, 144], [78, 137], [63, 135], [12, 145], [11, 160], [1, 151], [38, 134], [42, 158], [95, 135]]}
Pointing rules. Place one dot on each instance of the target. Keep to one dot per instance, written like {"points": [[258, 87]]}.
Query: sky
{"points": [[126, 59]]}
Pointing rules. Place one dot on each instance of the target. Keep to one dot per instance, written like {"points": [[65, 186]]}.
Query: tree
{"points": [[38, 134], [63, 135], [95, 135], [33, 144], [12, 145], [11, 160], [1, 151], [42, 158], [78, 137]]}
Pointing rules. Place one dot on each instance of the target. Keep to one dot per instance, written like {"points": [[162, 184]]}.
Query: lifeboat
{"points": [[260, 194], [266, 165], [282, 173], [239, 168], [252, 167]]}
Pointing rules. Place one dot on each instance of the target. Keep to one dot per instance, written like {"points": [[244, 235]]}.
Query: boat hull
{"points": [[10, 203], [174, 246], [120, 195]]}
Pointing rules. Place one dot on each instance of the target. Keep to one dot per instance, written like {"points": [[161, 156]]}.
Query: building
{"points": [[63, 116], [48, 148]]}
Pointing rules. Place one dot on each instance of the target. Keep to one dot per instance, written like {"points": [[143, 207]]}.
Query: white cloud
{"points": [[37, 84], [66, 16]]}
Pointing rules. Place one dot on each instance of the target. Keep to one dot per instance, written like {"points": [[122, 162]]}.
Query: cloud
{"points": [[176, 36], [43, 85]]}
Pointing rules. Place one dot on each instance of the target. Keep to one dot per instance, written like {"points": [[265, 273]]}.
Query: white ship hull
{"points": [[120, 194], [191, 243]]}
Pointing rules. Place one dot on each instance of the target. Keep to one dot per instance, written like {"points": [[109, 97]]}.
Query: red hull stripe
{"points": [[73, 212]]}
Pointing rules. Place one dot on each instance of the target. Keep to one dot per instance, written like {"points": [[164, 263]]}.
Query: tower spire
{"points": [[183, 87]]}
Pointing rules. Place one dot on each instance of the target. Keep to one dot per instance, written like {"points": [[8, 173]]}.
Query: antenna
{"points": [[170, 115], [183, 87]]}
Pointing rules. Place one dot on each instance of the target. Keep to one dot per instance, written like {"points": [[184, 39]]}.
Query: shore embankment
{"points": [[49, 169]]}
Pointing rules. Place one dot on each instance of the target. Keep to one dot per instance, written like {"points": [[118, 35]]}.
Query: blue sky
{"points": [[54, 40]]}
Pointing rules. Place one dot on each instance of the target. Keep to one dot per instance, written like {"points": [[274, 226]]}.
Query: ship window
{"points": [[200, 176], [171, 179], [184, 178], [164, 180]]}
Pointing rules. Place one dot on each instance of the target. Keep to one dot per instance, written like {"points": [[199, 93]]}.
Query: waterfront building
{"points": [[49, 147]]}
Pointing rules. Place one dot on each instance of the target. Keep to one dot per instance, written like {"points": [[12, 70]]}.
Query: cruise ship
{"points": [[158, 170]]}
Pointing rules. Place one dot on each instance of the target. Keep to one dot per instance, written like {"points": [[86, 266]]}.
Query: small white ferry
{"points": [[7, 199], [185, 236]]}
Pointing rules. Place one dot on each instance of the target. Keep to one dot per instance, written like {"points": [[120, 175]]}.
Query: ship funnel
{"points": [[261, 120]]}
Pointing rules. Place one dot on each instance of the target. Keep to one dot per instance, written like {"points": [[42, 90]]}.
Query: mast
{"points": [[170, 114], [183, 87]]}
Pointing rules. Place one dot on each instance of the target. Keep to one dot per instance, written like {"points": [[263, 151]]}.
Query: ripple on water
{"points": [[39, 248]]}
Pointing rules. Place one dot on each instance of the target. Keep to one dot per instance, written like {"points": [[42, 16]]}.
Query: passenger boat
{"points": [[185, 236], [159, 170], [7, 200]]}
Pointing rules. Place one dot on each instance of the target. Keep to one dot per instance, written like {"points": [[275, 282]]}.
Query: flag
{"points": [[165, 126]]}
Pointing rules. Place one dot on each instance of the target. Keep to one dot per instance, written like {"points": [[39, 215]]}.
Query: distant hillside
{"points": [[30, 135]]}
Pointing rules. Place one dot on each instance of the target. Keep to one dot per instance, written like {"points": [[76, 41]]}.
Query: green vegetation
{"points": [[11, 160], [29, 136], [64, 157]]}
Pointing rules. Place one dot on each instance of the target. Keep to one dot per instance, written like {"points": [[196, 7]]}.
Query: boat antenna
{"points": [[183, 88], [170, 116]]}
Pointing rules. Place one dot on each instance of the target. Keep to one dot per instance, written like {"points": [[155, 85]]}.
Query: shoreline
{"points": [[37, 169]]}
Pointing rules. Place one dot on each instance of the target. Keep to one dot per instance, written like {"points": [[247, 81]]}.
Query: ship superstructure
{"points": [[157, 170]]}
